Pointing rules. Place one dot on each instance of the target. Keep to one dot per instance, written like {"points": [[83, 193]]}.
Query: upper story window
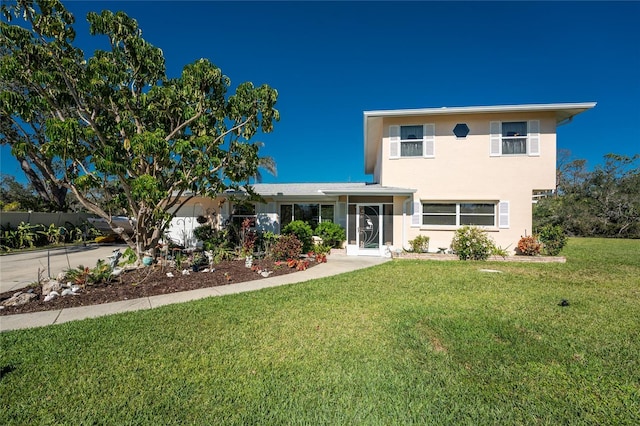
{"points": [[412, 141], [461, 130], [515, 138]]}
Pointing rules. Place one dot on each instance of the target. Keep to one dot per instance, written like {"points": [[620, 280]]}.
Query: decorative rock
{"points": [[67, 292], [266, 273], [186, 272], [51, 296], [19, 299], [117, 271], [169, 274], [75, 288], [49, 286]]}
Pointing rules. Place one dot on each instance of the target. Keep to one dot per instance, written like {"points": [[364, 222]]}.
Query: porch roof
{"points": [[320, 189]]}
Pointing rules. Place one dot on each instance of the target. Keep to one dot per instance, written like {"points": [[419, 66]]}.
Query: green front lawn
{"points": [[406, 342]]}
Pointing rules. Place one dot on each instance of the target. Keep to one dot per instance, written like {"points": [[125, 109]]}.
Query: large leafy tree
{"points": [[602, 202], [113, 129]]}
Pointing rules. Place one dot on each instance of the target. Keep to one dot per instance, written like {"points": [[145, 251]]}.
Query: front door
{"points": [[369, 229]]}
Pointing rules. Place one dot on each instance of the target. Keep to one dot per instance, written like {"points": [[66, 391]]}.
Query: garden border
{"points": [[517, 258]]}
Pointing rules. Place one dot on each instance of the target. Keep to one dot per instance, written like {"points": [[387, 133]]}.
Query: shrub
{"points": [[529, 246], [266, 241], [205, 233], [286, 247], [553, 239], [321, 248], [331, 233], [419, 244], [472, 243], [302, 231]]}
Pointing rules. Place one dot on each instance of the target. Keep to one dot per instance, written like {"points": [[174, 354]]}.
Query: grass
{"points": [[406, 342]]}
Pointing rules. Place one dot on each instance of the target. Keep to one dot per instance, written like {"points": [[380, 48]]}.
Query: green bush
{"points": [[286, 247], [419, 244], [214, 239], [472, 243], [321, 248], [302, 231], [331, 233], [553, 239]]}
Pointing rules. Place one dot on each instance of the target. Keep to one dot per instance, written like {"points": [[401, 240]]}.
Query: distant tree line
{"points": [[603, 202]]}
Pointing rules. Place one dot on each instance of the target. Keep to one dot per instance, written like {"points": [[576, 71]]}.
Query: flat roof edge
{"points": [[479, 109]]}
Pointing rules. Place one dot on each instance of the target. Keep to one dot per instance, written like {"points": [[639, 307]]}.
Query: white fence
{"points": [[13, 219]]}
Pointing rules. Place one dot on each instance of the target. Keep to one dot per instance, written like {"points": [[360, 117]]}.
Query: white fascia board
{"points": [[390, 191], [480, 109]]}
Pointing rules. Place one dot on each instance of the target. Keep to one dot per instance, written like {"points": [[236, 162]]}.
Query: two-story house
{"points": [[434, 170]]}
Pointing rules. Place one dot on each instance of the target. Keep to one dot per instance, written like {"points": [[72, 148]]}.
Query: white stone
{"points": [[169, 274], [66, 292], [51, 296], [19, 299], [49, 286]]}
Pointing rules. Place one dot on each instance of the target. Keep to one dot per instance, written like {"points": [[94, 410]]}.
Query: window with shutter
{"points": [[412, 141], [503, 214], [394, 141], [417, 213], [429, 140], [495, 139], [445, 214], [534, 137], [514, 138]]}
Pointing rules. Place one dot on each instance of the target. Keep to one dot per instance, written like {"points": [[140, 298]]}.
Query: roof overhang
{"points": [[319, 191], [373, 128]]}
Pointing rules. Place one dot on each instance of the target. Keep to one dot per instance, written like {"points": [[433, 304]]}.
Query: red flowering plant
{"points": [[529, 246]]}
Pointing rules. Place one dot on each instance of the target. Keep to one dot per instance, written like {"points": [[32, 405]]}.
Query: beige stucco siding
{"points": [[464, 171], [464, 167]]}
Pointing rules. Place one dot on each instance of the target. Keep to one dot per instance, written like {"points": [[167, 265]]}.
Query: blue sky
{"points": [[330, 61]]}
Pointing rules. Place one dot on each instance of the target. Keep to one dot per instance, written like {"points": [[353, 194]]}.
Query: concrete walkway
{"points": [[337, 264]]}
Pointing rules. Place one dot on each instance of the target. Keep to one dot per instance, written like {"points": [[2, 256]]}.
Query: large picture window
{"points": [[241, 212], [459, 214], [310, 213]]}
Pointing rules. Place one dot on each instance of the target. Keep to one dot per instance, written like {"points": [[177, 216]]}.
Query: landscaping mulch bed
{"points": [[149, 281]]}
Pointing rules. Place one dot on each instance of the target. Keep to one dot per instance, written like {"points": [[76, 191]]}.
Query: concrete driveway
{"points": [[21, 269]]}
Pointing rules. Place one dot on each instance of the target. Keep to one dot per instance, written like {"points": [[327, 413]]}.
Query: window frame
{"points": [[532, 140], [408, 141], [458, 214], [315, 221], [244, 213], [427, 142], [517, 138]]}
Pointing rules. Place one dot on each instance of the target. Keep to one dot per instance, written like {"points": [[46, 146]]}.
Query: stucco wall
{"points": [[463, 170]]}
